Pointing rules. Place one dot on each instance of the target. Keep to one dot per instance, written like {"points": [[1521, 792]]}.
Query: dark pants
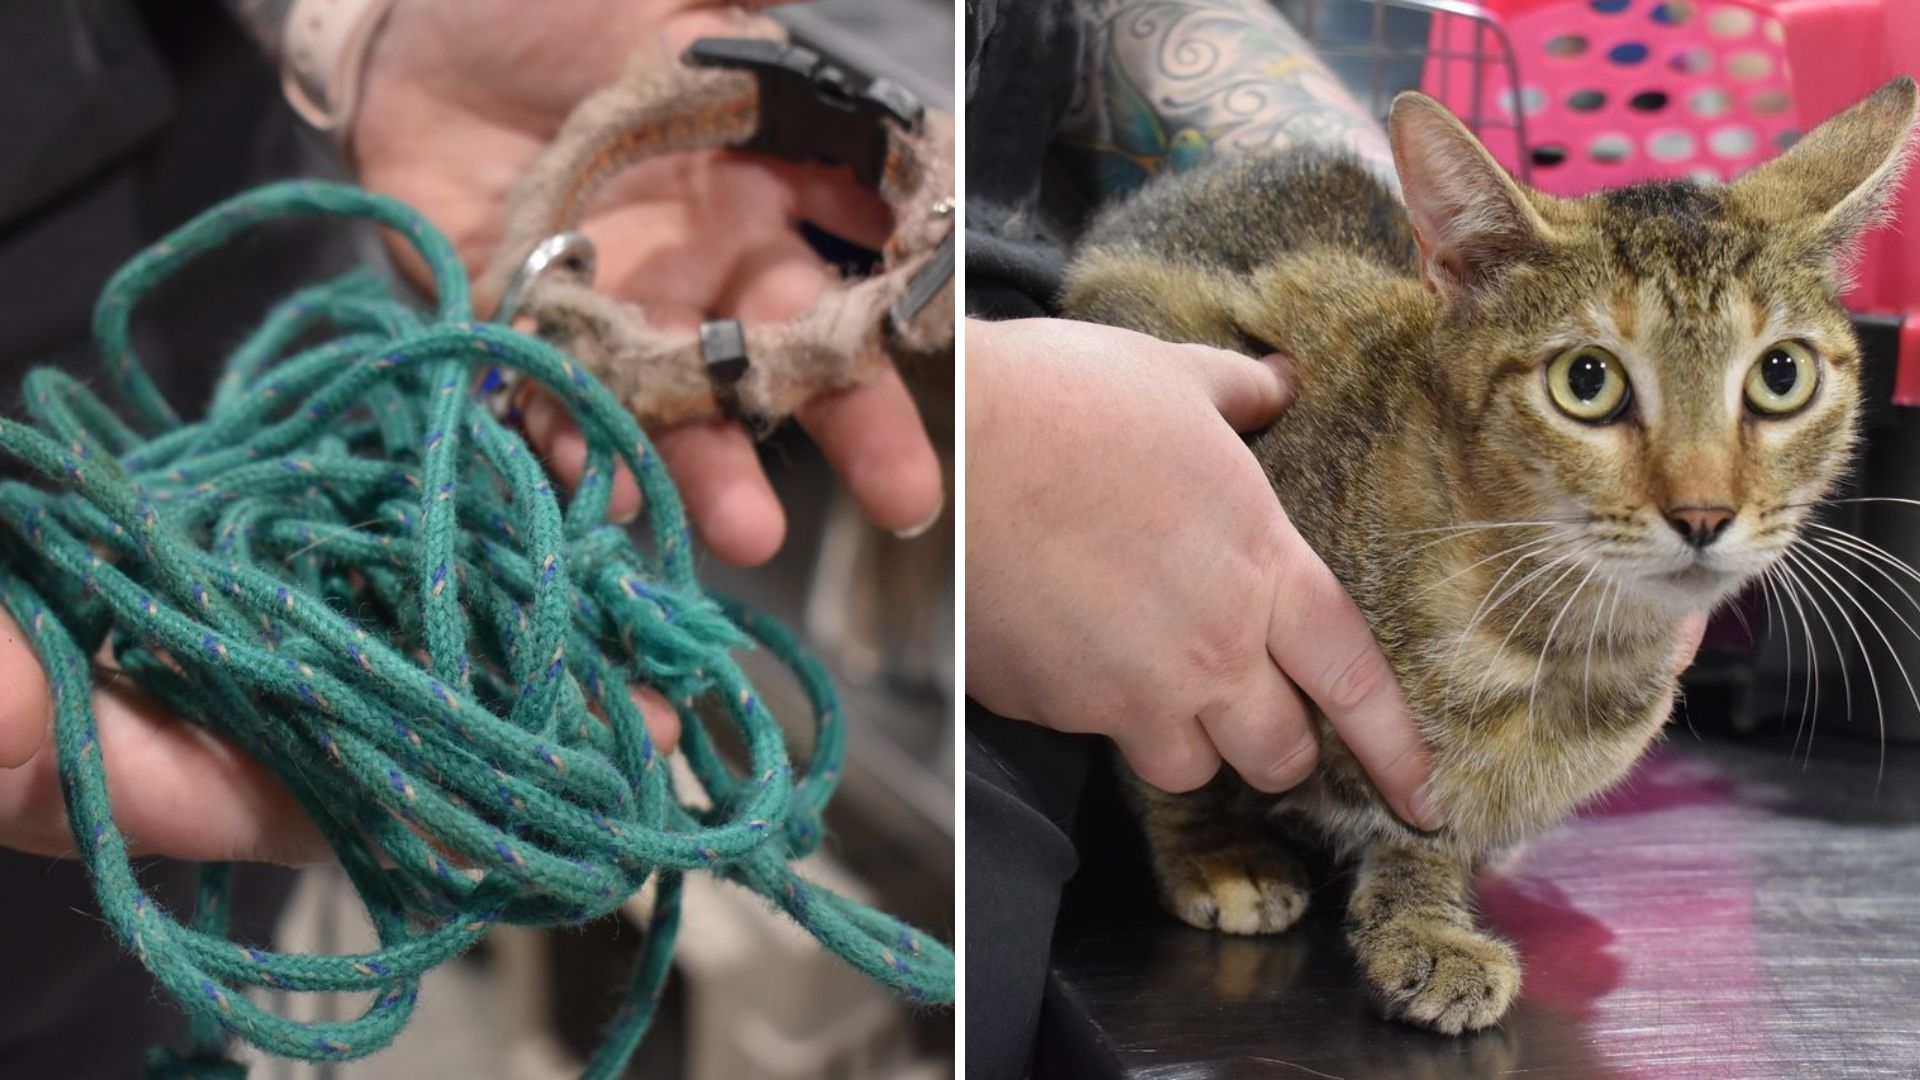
{"points": [[1024, 786]]}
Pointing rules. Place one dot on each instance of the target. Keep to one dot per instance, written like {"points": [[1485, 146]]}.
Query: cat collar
{"points": [[762, 94]]}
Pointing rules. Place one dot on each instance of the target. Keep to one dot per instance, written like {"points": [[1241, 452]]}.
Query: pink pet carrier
{"points": [[1615, 91]]}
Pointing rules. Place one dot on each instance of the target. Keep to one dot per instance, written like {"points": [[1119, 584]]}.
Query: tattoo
{"points": [[1175, 81], [263, 20]]}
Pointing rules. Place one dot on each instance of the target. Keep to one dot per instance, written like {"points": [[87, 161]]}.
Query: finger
{"points": [[872, 434], [557, 439], [1265, 733], [1693, 629], [727, 495], [554, 434], [26, 702], [176, 790], [1323, 643], [663, 723], [1175, 759], [695, 19], [873, 437], [1250, 394]]}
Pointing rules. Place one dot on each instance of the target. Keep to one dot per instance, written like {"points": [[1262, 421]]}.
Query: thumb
{"points": [[1250, 394], [1693, 629]]}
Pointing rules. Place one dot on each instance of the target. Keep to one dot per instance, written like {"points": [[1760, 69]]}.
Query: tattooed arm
{"points": [[1172, 82]]}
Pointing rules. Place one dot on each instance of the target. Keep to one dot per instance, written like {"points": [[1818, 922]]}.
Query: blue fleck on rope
{"points": [[354, 573]]}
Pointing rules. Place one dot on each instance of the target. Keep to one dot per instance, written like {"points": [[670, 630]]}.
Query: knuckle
{"points": [[1216, 652], [1355, 681], [1173, 769], [1195, 353], [1399, 775], [1249, 380], [1291, 767]]}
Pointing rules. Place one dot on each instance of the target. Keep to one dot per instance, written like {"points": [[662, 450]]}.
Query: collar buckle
{"points": [[813, 108]]}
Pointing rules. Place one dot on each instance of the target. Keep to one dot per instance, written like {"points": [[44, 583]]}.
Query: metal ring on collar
{"points": [[568, 252]]}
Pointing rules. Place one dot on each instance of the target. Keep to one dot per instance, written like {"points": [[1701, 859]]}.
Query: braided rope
{"points": [[354, 573]]}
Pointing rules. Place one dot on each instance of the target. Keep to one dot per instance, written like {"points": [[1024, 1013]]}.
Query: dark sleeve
{"points": [[103, 160], [80, 85], [1023, 69]]}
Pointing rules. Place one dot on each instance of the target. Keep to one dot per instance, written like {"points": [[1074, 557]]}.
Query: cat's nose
{"points": [[1700, 525]]}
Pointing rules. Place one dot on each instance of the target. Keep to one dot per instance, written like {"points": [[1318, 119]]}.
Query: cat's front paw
{"points": [[1440, 975], [1239, 890]]}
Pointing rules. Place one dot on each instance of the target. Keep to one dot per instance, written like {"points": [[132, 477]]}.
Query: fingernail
{"points": [[628, 517], [1422, 806], [933, 519]]}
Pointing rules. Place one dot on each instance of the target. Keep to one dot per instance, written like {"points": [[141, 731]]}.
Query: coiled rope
{"points": [[358, 576]]}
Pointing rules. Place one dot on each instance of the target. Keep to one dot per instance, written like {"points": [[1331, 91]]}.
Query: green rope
{"points": [[358, 576]]}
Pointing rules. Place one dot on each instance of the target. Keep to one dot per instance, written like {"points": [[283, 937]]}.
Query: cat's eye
{"points": [[1588, 384], [1783, 380]]}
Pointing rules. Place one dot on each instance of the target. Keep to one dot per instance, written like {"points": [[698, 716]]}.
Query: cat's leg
{"points": [[1214, 868], [1411, 927]]}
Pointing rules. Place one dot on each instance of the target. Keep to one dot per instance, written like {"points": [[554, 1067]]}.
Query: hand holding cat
{"points": [[1130, 574]]}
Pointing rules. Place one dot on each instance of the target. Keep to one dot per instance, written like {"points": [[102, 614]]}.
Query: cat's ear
{"points": [[1470, 218], [1840, 178]]}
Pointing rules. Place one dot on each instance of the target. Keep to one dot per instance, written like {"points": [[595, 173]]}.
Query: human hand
{"points": [[1130, 573], [1693, 630], [462, 95], [176, 788]]}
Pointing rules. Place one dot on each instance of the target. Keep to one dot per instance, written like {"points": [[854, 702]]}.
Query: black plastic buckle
{"points": [[813, 108], [926, 283], [723, 344]]}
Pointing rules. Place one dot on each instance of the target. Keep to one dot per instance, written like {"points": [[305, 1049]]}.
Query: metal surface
{"points": [[1727, 914], [571, 252]]}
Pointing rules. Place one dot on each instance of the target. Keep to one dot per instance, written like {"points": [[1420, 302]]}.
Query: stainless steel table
{"points": [[1731, 912]]}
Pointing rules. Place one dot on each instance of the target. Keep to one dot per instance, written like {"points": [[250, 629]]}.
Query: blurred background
{"points": [[181, 111]]}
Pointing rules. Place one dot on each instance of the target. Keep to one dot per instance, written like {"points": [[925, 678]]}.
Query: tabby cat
{"points": [[1530, 434]]}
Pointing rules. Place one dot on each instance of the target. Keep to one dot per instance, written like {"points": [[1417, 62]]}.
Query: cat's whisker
{"points": [[1874, 556], [1881, 553], [1479, 693], [1868, 559], [1745, 624], [1488, 604], [1809, 706], [1473, 526], [1866, 657], [1898, 663], [1851, 499], [1786, 631], [1483, 607], [1830, 553], [1831, 587], [1610, 598], [1395, 560], [1791, 563], [1534, 545], [1547, 646]]}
